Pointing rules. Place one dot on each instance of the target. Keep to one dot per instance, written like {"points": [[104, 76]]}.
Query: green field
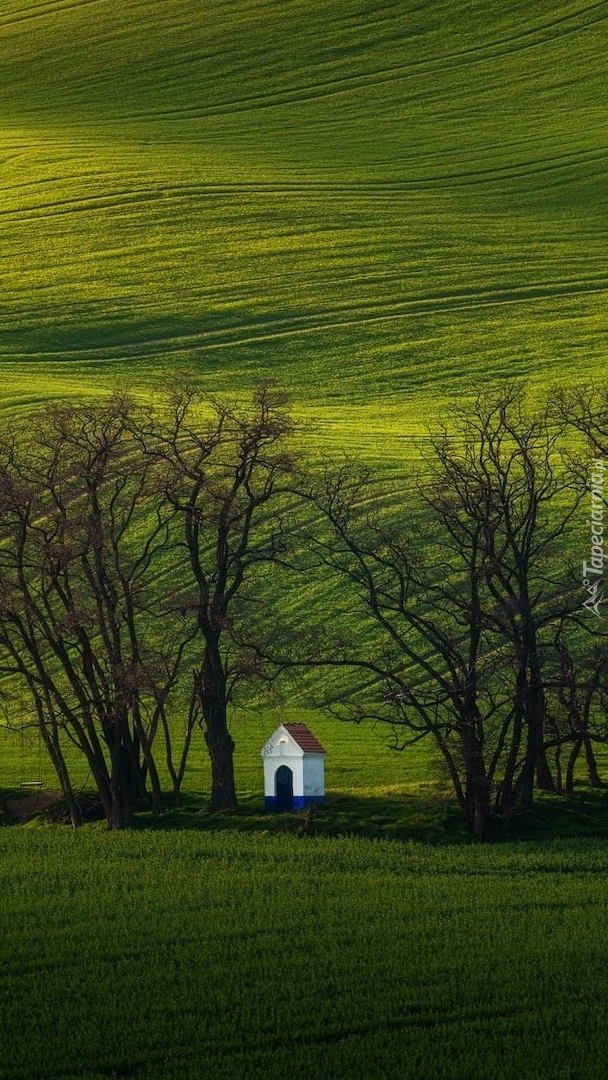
{"points": [[372, 789], [180, 957], [375, 204], [359, 756], [379, 204]]}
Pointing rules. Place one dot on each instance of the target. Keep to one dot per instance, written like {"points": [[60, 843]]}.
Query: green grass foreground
{"points": [[375, 205], [162, 956]]}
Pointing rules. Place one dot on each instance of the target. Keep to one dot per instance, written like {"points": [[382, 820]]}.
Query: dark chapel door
{"points": [[284, 788]]}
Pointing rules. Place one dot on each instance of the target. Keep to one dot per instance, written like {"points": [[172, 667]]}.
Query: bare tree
{"points": [[431, 658], [461, 618], [227, 480], [576, 686], [82, 535], [585, 410], [509, 474]]}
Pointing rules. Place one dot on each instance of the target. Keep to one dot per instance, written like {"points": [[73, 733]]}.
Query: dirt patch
{"points": [[90, 806], [23, 807]]}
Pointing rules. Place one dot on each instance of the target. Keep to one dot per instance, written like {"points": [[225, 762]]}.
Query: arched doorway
{"points": [[283, 787]]}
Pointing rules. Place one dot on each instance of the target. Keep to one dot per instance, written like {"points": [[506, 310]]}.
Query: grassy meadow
{"points": [[374, 204], [165, 956], [379, 205]]}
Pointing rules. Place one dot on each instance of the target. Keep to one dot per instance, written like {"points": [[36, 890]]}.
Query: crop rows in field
{"points": [[376, 205], [161, 956]]}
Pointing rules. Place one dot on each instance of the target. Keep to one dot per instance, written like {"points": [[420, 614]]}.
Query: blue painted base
{"points": [[299, 801]]}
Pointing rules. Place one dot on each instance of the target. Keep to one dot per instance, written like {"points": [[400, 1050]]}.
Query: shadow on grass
{"points": [[389, 815], [584, 814], [394, 816]]}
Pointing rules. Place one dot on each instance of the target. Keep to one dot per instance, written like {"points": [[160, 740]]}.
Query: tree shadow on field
{"points": [[387, 815], [583, 814], [392, 814], [428, 817]]}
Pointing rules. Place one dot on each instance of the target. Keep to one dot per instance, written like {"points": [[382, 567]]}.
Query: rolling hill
{"points": [[374, 203]]}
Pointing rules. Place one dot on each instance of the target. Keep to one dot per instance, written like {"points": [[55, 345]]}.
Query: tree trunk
{"points": [[477, 791], [49, 731], [509, 786], [177, 773], [135, 778], [535, 764], [452, 769], [477, 785], [219, 741], [156, 797], [142, 740], [477, 806], [559, 779], [120, 789], [572, 759], [544, 777], [594, 777], [480, 816], [123, 781], [101, 776], [59, 763], [223, 788]]}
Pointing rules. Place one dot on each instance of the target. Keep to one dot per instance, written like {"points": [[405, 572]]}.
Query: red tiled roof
{"points": [[304, 738]]}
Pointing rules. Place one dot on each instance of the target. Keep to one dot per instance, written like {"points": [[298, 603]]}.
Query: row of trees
{"points": [[126, 543], [481, 639], [144, 560]]}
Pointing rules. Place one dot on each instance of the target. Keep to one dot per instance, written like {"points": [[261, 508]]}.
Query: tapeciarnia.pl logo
{"points": [[593, 571]]}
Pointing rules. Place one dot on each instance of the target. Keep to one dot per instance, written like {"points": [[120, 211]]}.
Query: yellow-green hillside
{"points": [[375, 203]]}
